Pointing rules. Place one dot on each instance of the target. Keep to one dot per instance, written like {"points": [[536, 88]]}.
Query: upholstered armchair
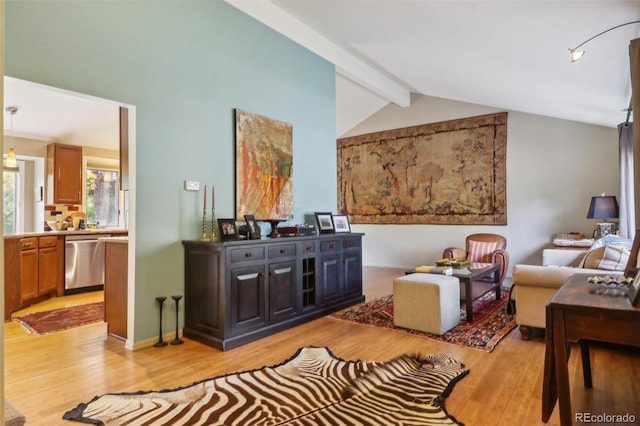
{"points": [[485, 248]]}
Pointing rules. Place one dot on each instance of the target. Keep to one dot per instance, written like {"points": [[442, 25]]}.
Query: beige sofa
{"points": [[536, 285]]}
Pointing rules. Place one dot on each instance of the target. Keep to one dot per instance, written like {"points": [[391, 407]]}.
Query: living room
{"points": [[184, 103]]}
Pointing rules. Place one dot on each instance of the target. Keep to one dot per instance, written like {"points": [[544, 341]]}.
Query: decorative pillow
{"points": [[480, 251], [609, 258]]}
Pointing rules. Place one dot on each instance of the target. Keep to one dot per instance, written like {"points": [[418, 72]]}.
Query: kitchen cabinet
{"points": [[33, 270], [64, 174], [116, 250], [240, 291]]}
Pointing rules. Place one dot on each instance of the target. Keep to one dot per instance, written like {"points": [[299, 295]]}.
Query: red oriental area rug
{"points": [[47, 322], [490, 325]]}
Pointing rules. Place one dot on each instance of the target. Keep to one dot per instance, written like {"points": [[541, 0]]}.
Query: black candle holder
{"points": [[160, 343], [177, 340]]}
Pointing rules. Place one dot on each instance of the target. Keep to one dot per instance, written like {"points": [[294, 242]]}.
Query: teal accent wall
{"points": [[185, 66]]}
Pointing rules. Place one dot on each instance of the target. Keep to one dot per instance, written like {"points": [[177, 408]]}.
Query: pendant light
{"points": [[10, 163]]}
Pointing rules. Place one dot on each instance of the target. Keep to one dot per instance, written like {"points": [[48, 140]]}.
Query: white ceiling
{"points": [[511, 55], [505, 54], [50, 114]]}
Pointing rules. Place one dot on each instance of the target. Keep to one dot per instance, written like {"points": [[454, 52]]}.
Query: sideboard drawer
{"points": [[308, 247], [330, 245], [351, 242], [285, 250], [247, 254]]}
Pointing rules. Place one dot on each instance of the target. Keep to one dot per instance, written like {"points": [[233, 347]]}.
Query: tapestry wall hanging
{"points": [[264, 162], [453, 173]]}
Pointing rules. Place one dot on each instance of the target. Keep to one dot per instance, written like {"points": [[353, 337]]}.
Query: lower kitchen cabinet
{"points": [[116, 251], [239, 291], [34, 270]]}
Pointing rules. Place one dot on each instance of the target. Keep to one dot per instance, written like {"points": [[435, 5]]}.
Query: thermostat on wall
{"points": [[191, 185]]}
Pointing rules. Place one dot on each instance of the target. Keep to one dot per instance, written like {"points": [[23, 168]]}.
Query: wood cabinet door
{"points": [[47, 270], [352, 273], [331, 279], [67, 174], [282, 290], [248, 299], [29, 275]]}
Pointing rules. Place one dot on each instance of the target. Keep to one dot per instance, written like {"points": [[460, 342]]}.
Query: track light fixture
{"points": [[577, 54]]}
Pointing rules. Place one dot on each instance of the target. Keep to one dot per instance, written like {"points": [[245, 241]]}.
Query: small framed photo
{"points": [[325, 222], [634, 290], [254, 229], [341, 223], [228, 229]]}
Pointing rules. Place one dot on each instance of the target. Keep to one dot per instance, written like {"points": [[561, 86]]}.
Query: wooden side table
{"points": [[576, 314]]}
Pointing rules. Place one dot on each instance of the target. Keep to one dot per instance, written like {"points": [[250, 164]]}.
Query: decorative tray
{"points": [[617, 284]]}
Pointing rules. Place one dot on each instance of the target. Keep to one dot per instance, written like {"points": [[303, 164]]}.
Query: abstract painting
{"points": [[264, 167], [452, 172]]}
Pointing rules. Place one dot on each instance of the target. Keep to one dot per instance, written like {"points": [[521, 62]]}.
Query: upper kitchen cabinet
{"points": [[64, 174]]}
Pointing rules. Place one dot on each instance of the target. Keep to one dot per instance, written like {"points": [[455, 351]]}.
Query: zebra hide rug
{"points": [[313, 387]]}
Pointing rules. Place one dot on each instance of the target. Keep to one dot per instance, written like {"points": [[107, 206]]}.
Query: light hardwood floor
{"points": [[48, 375]]}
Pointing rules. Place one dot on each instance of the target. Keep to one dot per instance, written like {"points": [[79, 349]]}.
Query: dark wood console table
{"points": [[575, 314], [239, 291]]}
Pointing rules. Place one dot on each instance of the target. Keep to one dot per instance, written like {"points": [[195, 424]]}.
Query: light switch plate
{"points": [[191, 185]]}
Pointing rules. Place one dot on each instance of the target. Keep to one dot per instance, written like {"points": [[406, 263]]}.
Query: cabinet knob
{"points": [[272, 274], [308, 248], [261, 274], [248, 254], [332, 246], [282, 251]]}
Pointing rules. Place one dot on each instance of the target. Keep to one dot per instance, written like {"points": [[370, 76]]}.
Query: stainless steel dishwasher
{"points": [[84, 263]]}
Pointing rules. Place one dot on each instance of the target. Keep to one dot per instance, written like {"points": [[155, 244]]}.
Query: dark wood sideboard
{"points": [[240, 291]]}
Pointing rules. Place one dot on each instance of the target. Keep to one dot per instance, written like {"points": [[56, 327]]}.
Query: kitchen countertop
{"points": [[65, 233], [123, 239]]}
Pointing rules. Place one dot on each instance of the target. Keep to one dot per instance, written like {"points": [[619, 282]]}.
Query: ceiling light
{"points": [[577, 54], [10, 163]]}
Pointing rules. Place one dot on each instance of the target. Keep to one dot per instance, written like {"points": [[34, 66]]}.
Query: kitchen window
{"points": [[13, 197], [102, 196], [11, 202]]}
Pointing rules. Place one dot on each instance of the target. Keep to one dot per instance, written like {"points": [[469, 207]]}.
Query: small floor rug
{"points": [[490, 324], [314, 387], [47, 322]]}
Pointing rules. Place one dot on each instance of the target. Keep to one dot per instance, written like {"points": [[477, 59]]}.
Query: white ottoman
{"points": [[426, 302]]}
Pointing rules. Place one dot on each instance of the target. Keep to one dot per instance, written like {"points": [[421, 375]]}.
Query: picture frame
{"points": [[228, 230], [254, 229], [325, 222], [341, 223], [634, 290]]}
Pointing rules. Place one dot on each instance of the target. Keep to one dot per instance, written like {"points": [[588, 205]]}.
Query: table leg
{"points": [[549, 384], [562, 370], [496, 277], [468, 298], [586, 364]]}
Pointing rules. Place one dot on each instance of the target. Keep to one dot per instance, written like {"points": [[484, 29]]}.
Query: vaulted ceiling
{"points": [[505, 54], [510, 54]]}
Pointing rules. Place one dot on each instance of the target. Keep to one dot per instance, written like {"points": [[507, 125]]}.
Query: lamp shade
{"points": [[603, 207]]}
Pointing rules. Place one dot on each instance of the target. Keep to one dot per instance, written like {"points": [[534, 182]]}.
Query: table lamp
{"points": [[603, 207]]}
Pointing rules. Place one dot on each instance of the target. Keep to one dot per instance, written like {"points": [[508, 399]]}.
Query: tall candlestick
{"points": [[204, 217], [214, 237]]}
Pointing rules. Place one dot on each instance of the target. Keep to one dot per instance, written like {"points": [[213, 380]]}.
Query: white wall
{"points": [[554, 167]]}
